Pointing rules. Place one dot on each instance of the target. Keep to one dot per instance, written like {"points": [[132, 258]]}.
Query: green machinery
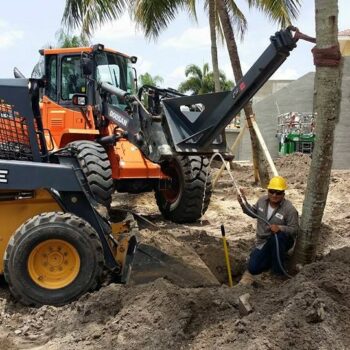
{"points": [[296, 133]]}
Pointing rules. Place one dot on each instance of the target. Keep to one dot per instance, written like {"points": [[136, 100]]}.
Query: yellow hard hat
{"points": [[277, 183]]}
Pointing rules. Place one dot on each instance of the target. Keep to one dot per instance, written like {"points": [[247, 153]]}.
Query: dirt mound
{"points": [[310, 311], [295, 168], [190, 309]]}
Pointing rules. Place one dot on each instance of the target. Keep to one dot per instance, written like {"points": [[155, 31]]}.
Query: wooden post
{"points": [[260, 138], [254, 149], [264, 147]]}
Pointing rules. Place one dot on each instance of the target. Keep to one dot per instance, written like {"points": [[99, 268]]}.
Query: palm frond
{"points": [[195, 71], [279, 11], [154, 16], [205, 69], [89, 14], [238, 20], [191, 84]]}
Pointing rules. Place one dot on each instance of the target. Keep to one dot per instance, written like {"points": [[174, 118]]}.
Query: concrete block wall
{"points": [[298, 97]]}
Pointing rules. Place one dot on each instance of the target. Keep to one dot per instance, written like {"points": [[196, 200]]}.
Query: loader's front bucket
{"points": [[159, 254], [166, 257]]}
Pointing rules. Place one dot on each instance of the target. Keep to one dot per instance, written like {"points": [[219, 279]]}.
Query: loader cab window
{"points": [[72, 80], [51, 88], [109, 73], [116, 70]]}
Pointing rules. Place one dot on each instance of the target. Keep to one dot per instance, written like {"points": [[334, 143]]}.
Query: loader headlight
{"points": [[98, 47]]}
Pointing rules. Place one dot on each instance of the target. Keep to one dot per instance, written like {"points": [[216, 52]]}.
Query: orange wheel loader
{"points": [[98, 131]]}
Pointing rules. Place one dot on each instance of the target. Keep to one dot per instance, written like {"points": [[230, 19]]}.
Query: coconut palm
{"points": [[155, 16], [200, 81]]}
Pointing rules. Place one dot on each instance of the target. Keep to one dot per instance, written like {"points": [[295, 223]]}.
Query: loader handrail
{"points": [[21, 132], [113, 90]]}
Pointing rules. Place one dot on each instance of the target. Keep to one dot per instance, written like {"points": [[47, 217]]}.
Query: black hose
{"points": [[279, 258]]}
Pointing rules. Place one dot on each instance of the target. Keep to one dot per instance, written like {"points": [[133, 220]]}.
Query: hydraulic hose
{"points": [[247, 207]]}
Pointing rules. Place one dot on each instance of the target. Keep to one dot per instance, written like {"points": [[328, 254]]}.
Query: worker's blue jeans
{"points": [[266, 258]]}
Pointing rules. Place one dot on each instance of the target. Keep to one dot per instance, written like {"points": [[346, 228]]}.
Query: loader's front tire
{"points": [[96, 166], [53, 258], [188, 196]]}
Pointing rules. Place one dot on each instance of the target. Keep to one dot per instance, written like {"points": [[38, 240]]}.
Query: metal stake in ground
{"points": [[228, 266]]}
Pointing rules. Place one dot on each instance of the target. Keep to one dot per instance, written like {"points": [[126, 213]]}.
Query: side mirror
{"points": [[133, 59], [87, 65], [79, 100]]}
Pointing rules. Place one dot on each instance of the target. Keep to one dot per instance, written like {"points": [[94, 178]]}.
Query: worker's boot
{"points": [[247, 279]]}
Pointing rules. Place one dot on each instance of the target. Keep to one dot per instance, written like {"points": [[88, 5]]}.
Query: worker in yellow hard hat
{"points": [[275, 216]]}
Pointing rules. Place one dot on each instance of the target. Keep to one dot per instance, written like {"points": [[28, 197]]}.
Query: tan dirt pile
{"points": [[194, 310]]}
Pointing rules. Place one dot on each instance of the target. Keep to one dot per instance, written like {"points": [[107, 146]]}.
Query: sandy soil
{"points": [[186, 303]]}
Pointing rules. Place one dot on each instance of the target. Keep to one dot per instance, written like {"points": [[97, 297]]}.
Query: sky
{"points": [[27, 26]]}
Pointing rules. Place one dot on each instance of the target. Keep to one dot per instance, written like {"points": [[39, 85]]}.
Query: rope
{"points": [[327, 57], [323, 57]]}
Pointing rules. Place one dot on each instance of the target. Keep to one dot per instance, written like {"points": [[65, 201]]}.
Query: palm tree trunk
{"points": [[214, 48], [258, 156], [327, 105]]}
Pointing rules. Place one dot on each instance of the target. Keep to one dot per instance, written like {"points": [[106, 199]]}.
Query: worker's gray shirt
{"points": [[285, 215]]}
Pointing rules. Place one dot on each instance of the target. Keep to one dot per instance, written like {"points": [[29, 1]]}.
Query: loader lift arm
{"points": [[219, 108], [178, 132]]}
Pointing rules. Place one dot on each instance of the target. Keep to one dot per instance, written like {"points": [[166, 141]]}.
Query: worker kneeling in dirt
{"points": [[278, 217]]}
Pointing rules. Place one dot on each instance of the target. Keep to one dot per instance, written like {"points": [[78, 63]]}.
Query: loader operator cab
{"points": [[65, 73]]}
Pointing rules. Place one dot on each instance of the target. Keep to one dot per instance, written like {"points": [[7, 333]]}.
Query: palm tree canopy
{"points": [[201, 81], [148, 79], [154, 16], [67, 40], [280, 11], [88, 14]]}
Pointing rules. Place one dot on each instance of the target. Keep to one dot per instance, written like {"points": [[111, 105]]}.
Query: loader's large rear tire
{"points": [[96, 166], [53, 259], [189, 195]]}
